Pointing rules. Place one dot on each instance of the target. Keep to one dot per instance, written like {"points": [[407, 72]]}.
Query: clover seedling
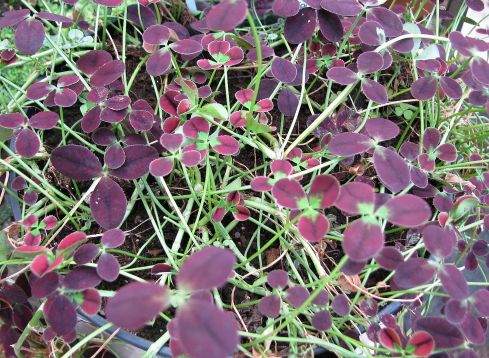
{"points": [[197, 317]]}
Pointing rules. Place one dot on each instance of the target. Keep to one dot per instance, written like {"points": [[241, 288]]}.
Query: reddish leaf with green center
{"points": [[288, 193], [353, 195], [407, 210], [313, 227], [91, 302], [362, 240], [41, 264], [324, 191], [227, 145], [72, 241]]}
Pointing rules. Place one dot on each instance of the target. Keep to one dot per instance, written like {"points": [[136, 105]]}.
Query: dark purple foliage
{"points": [[44, 286], [60, 314], [389, 258], [481, 302], [287, 102], [455, 311], [138, 159], [113, 238], [473, 330], [27, 143], [108, 204], [342, 75], [226, 15], [202, 327], [288, 193], [381, 129], [322, 320], [297, 295], [439, 241], [76, 162], [342, 8], [348, 144], [283, 70], [270, 306], [341, 305], [149, 297], [114, 156], [352, 195], [371, 33], [413, 272], [362, 240], [300, 27], [407, 210], [278, 278], [370, 62], [108, 267], [313, 227], [86, 253], [390, 21], [370, 307], [374, 91], [208, 268], [81, 278], [107, 73], [29, 36], [445, 334], [453, 282]]}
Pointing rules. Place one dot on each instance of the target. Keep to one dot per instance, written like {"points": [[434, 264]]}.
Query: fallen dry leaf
{"points": [[454, 179], [349, 283], [272, 255]]}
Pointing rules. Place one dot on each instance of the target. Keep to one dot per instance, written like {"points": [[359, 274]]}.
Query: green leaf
{"points": [[463, 206], [413, 29], [190, 92], [408, 114], [234, 185], [428, 53], [5, 248], [257, 127], [470, 21], [5, 134], [215, 110]]}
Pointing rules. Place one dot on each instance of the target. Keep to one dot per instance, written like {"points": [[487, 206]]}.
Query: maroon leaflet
{"points": [[206, 269], [149, 297], [270, 306], [278, 278], [445, 334], [227, 15], [76, 162], [201, 326], [362, 240], [108, 203]]}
